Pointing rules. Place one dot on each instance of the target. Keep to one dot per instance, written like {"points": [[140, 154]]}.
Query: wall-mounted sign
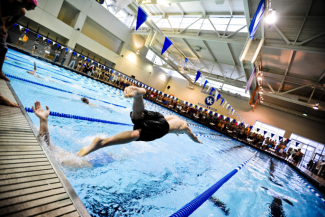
{"points": [[209, 101]]}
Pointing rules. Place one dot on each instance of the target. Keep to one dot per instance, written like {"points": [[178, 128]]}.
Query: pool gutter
{"points": [[63, 179]]}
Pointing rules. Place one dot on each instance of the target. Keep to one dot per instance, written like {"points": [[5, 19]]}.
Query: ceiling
{"points": [[292, 57]]}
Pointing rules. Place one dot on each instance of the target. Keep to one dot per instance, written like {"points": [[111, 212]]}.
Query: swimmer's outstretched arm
{"points": [[189, 132], [43, 117], [34, 71]]}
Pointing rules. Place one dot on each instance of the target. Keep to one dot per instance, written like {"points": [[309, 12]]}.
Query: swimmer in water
{"points": [[86, 100], [34, 71], [148, 125], [44, 136]]}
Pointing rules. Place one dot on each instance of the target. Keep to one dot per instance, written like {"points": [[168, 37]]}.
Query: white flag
{"points": [[120, 4], [92, 61], [62, 47], [20, 27], [44, 38], [78, 54], [54, 42], [70, 51]]}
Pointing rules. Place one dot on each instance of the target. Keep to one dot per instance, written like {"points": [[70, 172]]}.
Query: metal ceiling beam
{"points": [[303, 22], [230, 7], [291, 58], [228, 36], [294, 89], [203, 9], [214, 28], [221, 14], [180, 8], [312, 38], [171, 26], [231, 55], [294, 48], [291, 100], [268, 84], [281, 34], [246, 12], [227, 27], [190, 25], [314, 88]]}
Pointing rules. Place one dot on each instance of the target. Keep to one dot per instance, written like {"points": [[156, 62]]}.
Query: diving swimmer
{"points": [[148, 125]]}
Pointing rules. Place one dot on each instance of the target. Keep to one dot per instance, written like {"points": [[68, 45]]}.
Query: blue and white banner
{"points": [[167, 44], [257, 129], [141, 18], [212, 89], [198, 75], [256, 19], [249, 83], [222, 102], [272, 134], [265, 133], [185, 61], [205, 83], [218, 96], [280, 137]]}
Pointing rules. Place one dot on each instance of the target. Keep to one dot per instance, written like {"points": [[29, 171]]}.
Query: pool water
{"points": [[154, 178]]}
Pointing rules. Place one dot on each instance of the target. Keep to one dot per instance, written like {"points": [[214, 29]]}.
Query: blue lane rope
{"points": [[62, 115], [189, 208], [54, 88], [312, 190]]}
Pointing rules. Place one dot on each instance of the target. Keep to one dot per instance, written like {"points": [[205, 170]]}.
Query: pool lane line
{"points": [[189, 208], [312, 189], [54, 88], [62, 115]]}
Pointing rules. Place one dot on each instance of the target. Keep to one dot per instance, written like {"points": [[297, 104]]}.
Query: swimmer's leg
{"points": [[121, 138], [138, 104]]}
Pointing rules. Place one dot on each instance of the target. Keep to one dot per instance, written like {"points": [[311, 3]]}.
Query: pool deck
{"points": [[31, 182]]}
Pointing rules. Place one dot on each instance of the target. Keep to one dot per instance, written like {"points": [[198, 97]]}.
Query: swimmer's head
{"points": [[85, 100]]}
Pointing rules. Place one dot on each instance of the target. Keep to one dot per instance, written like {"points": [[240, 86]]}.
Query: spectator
{"points": [[64, 58], [36, 43], [73, 62], [22, 39], [47, 51], [57, 54]]}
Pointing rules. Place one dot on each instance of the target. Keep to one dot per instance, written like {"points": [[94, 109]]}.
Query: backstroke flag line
{"points": [[256, 19], [198, 75], [141, 18], [249, 83], [167, 44]]}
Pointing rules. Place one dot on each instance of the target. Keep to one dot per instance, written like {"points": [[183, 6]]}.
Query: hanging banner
{"points": [[67, 49], [256, 19], [272, 134], [297, 143], [58, 45], [205, 83], [38, 36], [265, 133], [54, 42], [222, 102], [280, 137], [257, 129], [218, 96], [20, 27], [229, 108], [167, 44], [213, 89], [27, 30], [44, 38], [78, 54], [48, 41], [249, 83], [198, 75], [141, 18]]}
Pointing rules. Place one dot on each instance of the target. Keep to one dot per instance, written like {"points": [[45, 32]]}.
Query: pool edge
{"points": [[63, 179]]}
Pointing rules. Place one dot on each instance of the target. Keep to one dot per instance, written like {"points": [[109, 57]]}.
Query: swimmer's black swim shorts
{"points": [[153, 126]]}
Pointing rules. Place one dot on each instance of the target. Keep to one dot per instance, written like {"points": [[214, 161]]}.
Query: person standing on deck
{"points": [[10, 12]]}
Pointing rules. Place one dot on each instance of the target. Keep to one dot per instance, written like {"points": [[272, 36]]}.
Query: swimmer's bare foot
{"points": [[2, 76], [5, 101], [132, 91], [92, 147]]}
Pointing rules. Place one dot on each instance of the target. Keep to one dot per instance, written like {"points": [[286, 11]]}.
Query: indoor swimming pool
{"points": [[155, 178]]}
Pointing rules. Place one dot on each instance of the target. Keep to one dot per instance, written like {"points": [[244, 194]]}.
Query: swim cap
{"points": [[33, 1]]}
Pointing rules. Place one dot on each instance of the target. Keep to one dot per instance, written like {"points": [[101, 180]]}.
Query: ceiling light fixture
{"points": [[138, 52], [316, 106], [271, 18], [305, 114]]}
